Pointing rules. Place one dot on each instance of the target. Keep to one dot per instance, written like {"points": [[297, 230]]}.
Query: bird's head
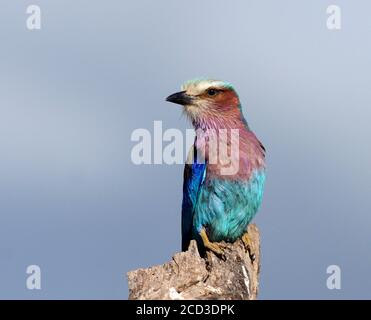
{"points": [[205, 99]]}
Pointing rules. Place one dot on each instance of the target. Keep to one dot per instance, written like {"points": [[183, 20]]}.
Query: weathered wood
{"points": [[188, 276]]}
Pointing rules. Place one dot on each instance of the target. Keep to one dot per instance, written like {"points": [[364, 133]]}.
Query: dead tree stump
{"points": [[188, 276]]}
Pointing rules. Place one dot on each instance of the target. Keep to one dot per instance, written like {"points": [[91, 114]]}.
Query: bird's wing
{"points": [[194, 175]]}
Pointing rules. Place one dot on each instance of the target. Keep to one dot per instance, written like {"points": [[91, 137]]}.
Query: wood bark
{"points": [[189, 276]]}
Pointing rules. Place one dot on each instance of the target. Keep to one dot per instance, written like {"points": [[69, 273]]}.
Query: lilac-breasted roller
{"points": [[225, 172]]}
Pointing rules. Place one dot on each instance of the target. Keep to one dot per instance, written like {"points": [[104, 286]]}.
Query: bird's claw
{"points": [[216, 248], [248, 246]]}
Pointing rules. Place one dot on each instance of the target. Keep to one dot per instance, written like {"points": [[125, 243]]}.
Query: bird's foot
{"points": [[217, 249], [248, 245], [214, 247]]}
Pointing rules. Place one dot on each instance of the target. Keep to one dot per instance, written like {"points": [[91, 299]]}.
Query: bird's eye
{"points": [[211, 92]]}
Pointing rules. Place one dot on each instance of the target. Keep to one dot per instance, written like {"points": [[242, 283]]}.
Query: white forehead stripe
{"points": [[199, 86]]}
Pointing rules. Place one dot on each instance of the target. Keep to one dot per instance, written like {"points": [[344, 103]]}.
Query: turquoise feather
{"points": [[226, 207]]}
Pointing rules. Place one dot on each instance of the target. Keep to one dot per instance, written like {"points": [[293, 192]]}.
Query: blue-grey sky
{"points": [[71, 94]]}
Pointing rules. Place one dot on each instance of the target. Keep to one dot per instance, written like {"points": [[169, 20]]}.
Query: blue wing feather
{"points": [[194, 174]]}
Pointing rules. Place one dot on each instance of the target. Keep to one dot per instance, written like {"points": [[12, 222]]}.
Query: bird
{"points": [[218, 205]]}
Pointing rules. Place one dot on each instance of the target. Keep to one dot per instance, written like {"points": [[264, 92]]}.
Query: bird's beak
{"points": [[180, 98]]}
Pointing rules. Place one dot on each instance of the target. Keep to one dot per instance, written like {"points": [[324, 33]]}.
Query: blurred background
{"points": [[71, 94]]}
